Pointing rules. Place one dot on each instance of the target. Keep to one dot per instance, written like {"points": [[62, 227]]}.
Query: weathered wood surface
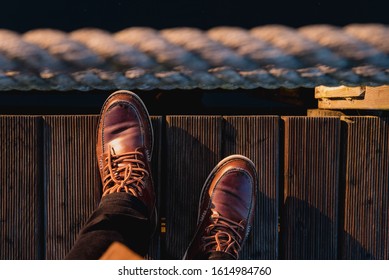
{"points": [[311, 186], [193, 148], [333, 199], [374, 98], [156, 166], [257, 137], [20, 188], [366, 215], [71, 181]]}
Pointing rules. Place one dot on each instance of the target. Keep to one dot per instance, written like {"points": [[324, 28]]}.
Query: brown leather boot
{"points": [[226, 210], [124, 147]]}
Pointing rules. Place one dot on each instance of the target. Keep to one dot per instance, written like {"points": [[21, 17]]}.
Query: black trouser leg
{"points": [[119, 217]]}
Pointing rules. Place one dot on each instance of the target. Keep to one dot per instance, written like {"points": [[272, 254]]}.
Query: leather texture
{"points": [[125, 128], [226, 209]]}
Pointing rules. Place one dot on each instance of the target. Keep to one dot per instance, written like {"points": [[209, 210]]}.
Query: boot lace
{"points": [[124, 173], [223, 235]]}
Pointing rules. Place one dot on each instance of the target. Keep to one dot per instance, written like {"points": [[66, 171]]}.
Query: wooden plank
{"points": [[20, 188], [155, 246], [373, 98], [257, 137], [366, 218], [324, 113], [72, 180], [193, 148], [338, 92], [73, 186], [309, 220]]}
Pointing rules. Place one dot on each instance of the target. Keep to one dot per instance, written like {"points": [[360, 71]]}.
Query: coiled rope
{"points": [[269, 56]]}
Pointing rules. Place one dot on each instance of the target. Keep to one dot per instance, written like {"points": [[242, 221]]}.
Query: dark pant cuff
{"points": [[119, 217]]}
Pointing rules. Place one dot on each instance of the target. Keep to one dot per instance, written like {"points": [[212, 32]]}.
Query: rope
{"points": [[270, 56]]}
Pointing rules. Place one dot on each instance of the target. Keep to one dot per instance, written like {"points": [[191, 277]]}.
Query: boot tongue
{"points": [[118, 150], [117, 147]]}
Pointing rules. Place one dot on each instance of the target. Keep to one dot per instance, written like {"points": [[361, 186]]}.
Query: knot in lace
{"points": [[124, 173], [222, 235]]}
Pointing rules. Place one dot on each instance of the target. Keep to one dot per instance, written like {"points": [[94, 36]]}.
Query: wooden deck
{"points": [[323, 183]]}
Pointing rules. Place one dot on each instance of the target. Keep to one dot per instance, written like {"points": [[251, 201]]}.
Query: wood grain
{"points": [[311, 186], [366, 217], [193, 148], [21, 188], [257, 137]]}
